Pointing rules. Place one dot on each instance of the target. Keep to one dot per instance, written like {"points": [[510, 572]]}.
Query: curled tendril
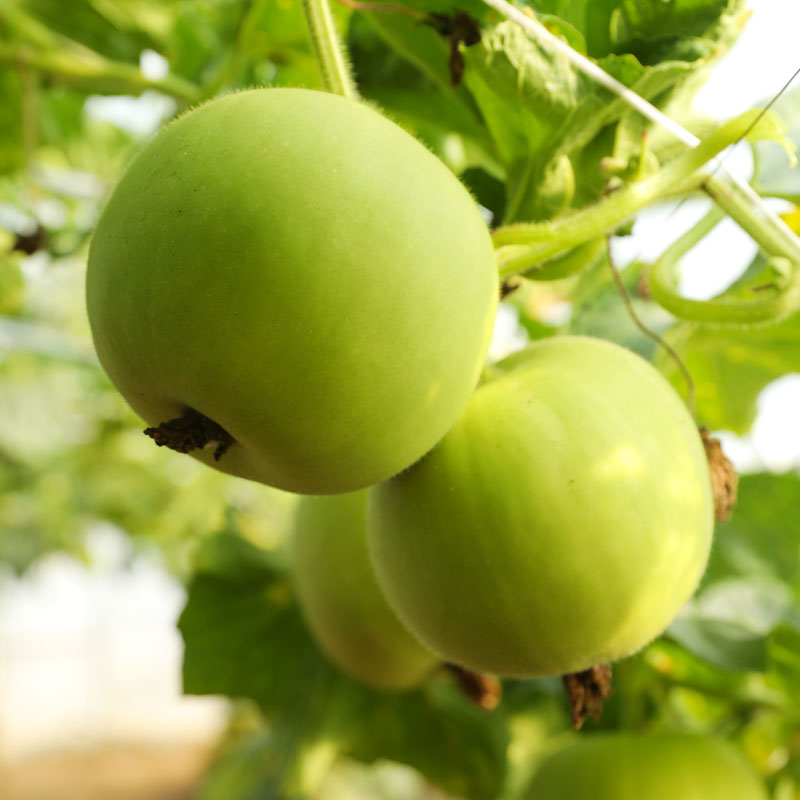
{"points": [[769, 303]]}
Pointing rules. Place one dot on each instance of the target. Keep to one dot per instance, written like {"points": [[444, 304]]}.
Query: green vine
{"points": [[86, 65], [333, 64], [771, 303], [544, 240], [736, 196]]}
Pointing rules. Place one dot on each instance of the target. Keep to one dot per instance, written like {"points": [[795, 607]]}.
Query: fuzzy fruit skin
{"points": [[562, 522], [341, 601], [660, 767], [302, 271]]}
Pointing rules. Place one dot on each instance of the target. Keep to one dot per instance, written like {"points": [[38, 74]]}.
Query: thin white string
{"points": [[537, 31]]}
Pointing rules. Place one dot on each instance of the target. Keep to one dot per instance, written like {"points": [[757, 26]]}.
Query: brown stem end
{"points": [[724, 479], [485, 691], [586, 691], [191, 431]]}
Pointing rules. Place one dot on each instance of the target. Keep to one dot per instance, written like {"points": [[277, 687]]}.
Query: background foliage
{"points": [[532, 139]]}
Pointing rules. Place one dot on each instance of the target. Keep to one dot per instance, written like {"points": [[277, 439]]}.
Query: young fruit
{"points": [[661, 767], [561, 523], [345, 610], [296, 281]]}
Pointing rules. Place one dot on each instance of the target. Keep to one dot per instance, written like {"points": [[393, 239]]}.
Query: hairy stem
{"points": [[333, 64]]}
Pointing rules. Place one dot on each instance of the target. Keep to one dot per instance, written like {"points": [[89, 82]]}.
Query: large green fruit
{"points": [[561, 523], [662, 767], [301, 271], [341, 601]]}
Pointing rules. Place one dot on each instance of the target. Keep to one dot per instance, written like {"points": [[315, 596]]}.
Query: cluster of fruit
{"points": [[293, 289]]}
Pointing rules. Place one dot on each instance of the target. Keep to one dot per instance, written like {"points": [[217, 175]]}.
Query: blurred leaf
{"points": [[487, 190], [11, 116], [730, 622], [750, 589], [722, 643], [757, 603], [648, 28], [761, 539], [775, 174], [784, 656], [730, 366], [244, 636], [402, 66], [84, 24], [12, 287], [685, 29]]}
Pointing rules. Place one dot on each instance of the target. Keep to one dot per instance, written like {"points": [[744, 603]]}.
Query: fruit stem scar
{"points": [[587, 690], [191, 431], [724, 478], [485, 691]]}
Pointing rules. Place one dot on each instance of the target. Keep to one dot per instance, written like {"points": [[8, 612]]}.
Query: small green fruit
{"points": [[296, 278], [342, 603], [662, 767], [562, 522]]}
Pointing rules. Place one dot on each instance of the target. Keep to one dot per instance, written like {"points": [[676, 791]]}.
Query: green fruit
{"points": [[562, 522], [302, 272], [345, 610], [662, 767]]}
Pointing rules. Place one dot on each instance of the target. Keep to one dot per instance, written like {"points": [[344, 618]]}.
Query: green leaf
{"points": [[776, 174], [11, 149], [784, 657], [591, 17], [487, 190], [658, 31], [244, 636], [749, 591], [731, 366], [757, 603], [760, 540], [538, 107], [90, 27], [12, 286], [722, 643]]}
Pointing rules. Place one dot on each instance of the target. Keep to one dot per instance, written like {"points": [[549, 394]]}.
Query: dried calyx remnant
{"points": [[587, 690], [191, 431], [724, 479], [483, 690]]}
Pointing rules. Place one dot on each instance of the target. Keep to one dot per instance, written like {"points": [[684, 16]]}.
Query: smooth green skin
{"points": [[561, 523], [341, 601], [636, 767], [305, 273]]}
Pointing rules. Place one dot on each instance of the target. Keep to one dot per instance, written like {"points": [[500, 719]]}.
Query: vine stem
{"points": [[522, 247], [765, 307], [752, 213], [87, 65], [336, 75]]}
